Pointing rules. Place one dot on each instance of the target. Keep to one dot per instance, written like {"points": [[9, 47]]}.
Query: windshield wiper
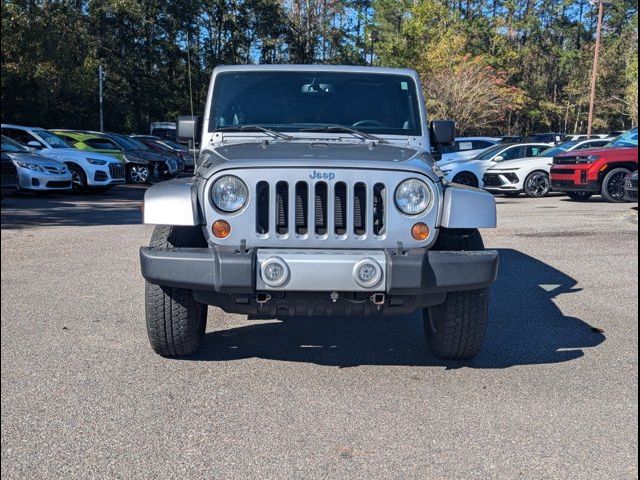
{"points": [[342, 128], [255, 128]]}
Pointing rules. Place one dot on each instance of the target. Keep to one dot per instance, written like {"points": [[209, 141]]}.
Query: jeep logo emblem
{"points": [[315, 175]]}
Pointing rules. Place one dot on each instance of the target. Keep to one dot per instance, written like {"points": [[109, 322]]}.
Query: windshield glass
{"points": [[563, 148], [10, 146], [54, 141], [127, 143], [490, 153], [175, 145], [629, 139], [294, 101]]}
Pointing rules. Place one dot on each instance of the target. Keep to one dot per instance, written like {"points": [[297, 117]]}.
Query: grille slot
{"points": [[340, 208], [262, 208], [321, 208], [282, 208], [379, 193], [302, 212], [360, 208]]}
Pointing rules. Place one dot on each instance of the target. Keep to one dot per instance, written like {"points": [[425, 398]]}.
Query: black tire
{"points": [[537, 184], [455, 330], [176, 323], [580, 196], [466, 178], [78, 179], [613, 186]]}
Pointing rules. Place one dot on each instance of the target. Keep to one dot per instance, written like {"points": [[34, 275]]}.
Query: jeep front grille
{"points": [[291, 208], [338, 208]]}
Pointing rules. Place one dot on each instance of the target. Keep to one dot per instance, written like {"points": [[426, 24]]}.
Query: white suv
{"points": [[90, 170]]}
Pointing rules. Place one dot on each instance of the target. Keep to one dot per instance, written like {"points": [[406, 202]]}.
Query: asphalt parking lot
{"points": [[552, 395]]}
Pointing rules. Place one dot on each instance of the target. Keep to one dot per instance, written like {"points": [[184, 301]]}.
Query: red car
{"points": [[582, 174]]}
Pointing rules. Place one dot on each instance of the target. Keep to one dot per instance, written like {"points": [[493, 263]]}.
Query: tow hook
{"points": [[263, 298], [378, 298]]}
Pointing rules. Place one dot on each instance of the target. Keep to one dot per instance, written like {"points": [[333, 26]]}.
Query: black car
{"points": [[9, 176], [161, 147], [550, 137], [160, 167]]}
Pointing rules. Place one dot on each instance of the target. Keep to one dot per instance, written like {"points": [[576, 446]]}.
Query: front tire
{"points": [[455, 330], [78, 179], [613, 186], [467, 178], [138, 174], [176, 323], [537, 185]]}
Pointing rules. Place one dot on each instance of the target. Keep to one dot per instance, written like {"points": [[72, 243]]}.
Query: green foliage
{"points": [[510, 66]]}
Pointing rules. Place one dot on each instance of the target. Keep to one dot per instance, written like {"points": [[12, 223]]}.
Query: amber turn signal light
{"points": [[420, 231], [221, 229]]}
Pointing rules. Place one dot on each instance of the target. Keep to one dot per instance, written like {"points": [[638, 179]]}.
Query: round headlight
{"points": [[413, 196], [229, 193]]}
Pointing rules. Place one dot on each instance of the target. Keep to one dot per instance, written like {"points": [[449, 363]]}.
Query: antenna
{"points": [[191, 97]]}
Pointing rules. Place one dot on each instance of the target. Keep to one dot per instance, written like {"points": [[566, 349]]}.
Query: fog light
{"points": [[367, 273], [420, 231], [221, 229], [274, 272]]}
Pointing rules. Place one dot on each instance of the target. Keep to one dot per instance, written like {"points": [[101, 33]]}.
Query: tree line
{"points": [[496, 66]]}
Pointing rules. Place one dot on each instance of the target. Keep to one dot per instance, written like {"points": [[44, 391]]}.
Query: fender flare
{"points": [[467, 207], [174, 202]]}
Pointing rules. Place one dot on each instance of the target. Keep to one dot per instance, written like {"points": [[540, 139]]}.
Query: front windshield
{"points": [[127, 143], [175, 145], [297, 101], [10, 146], [629, 139], [490, 153], [560, 149], [53, 140]]}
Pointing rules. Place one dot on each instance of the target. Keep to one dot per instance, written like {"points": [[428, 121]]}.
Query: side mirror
{"points": [[499, 158], [443, 132], [189, 128], [34, 145]]}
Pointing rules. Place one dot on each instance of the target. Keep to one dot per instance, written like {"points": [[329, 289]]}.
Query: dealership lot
{"points": [[553, 394]]}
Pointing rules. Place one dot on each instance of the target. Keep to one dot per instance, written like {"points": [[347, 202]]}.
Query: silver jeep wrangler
{"points": [[316, 193]]}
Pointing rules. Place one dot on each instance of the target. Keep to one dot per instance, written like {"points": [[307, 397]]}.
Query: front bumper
{"points": [[41, 181], [227, 270], [499, 181], [574, 178]]}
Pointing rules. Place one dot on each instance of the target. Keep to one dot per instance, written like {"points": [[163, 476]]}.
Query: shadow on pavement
{"points": [[118, 206], [525, 328]]}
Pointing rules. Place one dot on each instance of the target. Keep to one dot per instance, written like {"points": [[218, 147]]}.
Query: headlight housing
{"points": [[30, 166], [96, 161], [413, 196], [229, 193], [588, 159]]}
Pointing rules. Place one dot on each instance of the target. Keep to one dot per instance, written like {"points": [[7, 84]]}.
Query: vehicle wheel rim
{"points": [[139, 174], [76, 180], [538, 185], [615, 186]]}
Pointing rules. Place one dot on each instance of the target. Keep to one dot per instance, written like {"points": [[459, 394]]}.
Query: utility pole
{"points": [[374, 37], [101, 77], [596, 58]]}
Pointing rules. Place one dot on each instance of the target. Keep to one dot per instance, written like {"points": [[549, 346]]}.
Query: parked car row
{"points": [[95, 161], [580, 167]]}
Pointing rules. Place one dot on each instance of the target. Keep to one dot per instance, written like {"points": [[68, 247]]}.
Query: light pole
{"points": [[596, 58], [101, 77], [374, 36]]}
